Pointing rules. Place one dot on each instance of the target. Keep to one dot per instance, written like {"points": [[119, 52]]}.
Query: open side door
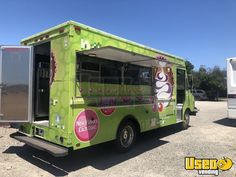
{"points": [[16, 83]]}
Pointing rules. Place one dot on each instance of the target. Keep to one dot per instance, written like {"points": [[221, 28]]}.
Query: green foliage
{"points": [[189, 66], [212, 80]]}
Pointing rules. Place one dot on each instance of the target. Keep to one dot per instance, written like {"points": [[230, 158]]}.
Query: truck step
{"points": [[53, 149]]}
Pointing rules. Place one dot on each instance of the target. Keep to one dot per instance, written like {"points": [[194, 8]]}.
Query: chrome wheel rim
{"points": [[127, 136]]}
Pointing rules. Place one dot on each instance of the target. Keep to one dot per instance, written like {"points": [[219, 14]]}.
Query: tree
{"points": [[212, 80], [200, 78], [189, 67], [217, 81]]}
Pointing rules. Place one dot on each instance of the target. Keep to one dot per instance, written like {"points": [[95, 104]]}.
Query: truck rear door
{"points": [[16, 83]]}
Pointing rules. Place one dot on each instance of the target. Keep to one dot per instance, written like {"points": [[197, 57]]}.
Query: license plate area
{"points": [[39, 132]]}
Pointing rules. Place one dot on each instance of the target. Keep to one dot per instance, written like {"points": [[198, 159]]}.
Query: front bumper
{"points": [[194, 112]]}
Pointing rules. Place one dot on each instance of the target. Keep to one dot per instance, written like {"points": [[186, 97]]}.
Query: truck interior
{"points": [[41, 84], [180, 93], [180, 86]]}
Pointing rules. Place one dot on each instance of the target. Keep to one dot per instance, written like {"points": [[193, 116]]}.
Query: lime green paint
{"points": [[69, 101]]}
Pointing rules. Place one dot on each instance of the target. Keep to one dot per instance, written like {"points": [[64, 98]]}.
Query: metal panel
{"points": [[15, 83], [117, 54], [55, 150], [179, 108], [231, 113], [232, 103], [231, 76]]}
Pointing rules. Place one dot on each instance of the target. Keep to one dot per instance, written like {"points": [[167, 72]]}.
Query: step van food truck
{"points": [[231, 87], [73, 86]]}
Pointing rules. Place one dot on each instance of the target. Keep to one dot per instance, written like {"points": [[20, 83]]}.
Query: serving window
{"points": [[99, 70]]}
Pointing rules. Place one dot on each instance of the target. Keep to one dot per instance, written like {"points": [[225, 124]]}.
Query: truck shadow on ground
{"points": [[226, 122], [101, 156]]}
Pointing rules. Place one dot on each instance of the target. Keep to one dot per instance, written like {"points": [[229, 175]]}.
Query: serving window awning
{"points": [[116, 54]]}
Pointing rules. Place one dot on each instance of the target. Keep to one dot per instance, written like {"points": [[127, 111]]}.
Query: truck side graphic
{"points": [[73, 86]]}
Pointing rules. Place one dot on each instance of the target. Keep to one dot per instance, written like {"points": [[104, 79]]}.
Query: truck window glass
{"points": [[137, 75], [110, 72], [93, 69]]}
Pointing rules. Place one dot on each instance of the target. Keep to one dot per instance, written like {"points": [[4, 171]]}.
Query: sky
{"points": [[201, 31]]}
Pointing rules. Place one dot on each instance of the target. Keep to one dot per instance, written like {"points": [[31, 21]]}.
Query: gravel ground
{"points": [[158, 153]]}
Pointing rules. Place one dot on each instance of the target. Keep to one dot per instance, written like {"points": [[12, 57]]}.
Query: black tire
{"points": [[126, 136], [186, 120]]}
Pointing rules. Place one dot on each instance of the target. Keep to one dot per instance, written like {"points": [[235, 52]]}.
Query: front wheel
{"points": [[186, 120], [126, 136]]}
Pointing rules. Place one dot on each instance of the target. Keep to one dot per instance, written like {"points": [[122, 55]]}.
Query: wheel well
{"points": [[187, 109], [131, 119]]}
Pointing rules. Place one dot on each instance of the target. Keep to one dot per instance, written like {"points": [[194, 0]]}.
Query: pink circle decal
{"points": [[107, 111], [86, 125]]}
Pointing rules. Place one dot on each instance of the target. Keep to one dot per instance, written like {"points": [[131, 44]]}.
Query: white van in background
{"points": [[231, 87]]}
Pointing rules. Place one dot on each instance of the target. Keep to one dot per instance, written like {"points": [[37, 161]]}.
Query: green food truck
{"points": [[73, 86]]}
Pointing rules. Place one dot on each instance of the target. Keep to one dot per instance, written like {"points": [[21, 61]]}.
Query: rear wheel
{"points": [[126, 136], [186, 120]]}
